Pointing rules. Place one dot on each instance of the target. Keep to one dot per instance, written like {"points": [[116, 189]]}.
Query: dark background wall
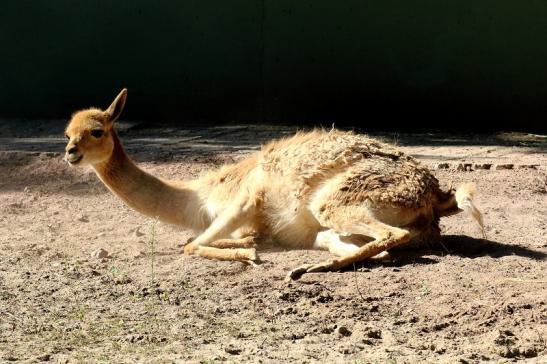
{"points": [[467, 65]]}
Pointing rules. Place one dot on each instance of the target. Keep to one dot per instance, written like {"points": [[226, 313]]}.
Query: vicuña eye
{"points": [[97, 133], [67, 136]]}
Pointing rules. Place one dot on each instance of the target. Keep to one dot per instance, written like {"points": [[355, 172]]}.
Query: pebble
{"points": [[347, 349], [342, 331], [528, 166], [483, 166], [100, 254], [373, 333], [232, 349], [442, 166], [139, 254], [83, 218], [464, 167], [136, 338], [504, 166], [138, 232], [45, 357]]}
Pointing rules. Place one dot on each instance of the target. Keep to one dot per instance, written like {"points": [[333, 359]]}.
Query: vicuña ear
{"points": [[115, 109]]}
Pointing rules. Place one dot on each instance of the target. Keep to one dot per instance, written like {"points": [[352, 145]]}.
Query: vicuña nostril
{"points": [[72, 150]]}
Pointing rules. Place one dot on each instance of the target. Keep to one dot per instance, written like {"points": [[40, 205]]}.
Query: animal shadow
{"points": [[458, 245], [469, 247]]}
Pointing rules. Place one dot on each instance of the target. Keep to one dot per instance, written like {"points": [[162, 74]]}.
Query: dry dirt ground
{"points": [[471, 301]]}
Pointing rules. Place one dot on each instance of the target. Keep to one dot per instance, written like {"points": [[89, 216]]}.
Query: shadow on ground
{"points": [[458, 245]]}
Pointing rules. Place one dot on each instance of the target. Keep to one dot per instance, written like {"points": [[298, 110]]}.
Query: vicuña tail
{"points": [[464, 199]]}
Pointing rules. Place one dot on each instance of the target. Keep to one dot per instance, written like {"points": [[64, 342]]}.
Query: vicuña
{"points": [[331, 190]]}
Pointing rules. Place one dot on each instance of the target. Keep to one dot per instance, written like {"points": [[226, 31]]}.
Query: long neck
{"points": [[172, 202]]}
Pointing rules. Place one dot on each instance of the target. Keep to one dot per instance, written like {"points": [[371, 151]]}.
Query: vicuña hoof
{"points": [[252, 254], [189, 249], [309, 268]]}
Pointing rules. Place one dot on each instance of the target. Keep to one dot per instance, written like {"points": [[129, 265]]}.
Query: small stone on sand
{"points": [[139, 254], [483, 166], [464, 167], [342, 331], [232, 349], [138, 232], [100, 254]]}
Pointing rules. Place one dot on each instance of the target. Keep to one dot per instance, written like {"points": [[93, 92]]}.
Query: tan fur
{"points": [[288, 193]]}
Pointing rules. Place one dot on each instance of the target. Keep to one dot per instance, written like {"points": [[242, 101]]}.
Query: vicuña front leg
{"points": [[229, 220], [236, 254], [241, 250], [246, 242]]}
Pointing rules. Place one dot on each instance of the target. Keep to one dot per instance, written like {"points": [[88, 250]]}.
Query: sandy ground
{"points": [[479, 300]]}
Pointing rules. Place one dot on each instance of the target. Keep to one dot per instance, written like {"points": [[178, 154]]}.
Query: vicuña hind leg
{"points": [[334, 242], [330, 240], [386, 237]]}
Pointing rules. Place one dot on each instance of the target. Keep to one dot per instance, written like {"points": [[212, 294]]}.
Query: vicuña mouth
{"points": [[75, 161]]}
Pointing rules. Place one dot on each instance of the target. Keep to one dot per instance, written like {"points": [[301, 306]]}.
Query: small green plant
{"points": [[80, 314], [151, 304], [117, 273], [424, 290], [164, 296], [152, 247], [210, 361]]}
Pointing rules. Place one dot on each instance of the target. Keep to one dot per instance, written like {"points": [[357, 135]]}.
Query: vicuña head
{"points": [[90, 133], [92, 141]]}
